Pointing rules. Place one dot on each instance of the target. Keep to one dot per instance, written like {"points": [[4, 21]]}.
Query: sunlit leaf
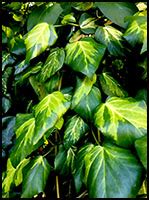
{"points": [[122, 120]]}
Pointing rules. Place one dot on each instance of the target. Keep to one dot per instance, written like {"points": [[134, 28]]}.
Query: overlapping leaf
{"points": [[44, 13], [82, 6], [38, 39], [112, 172], [75, 129], [53, 63], [141, 147], [117, 11], [137, 31], [110, 86], [83, 88], [35, 176], [112, 38], [48, 112], [84, 55], [87, 104], [122, 120]]}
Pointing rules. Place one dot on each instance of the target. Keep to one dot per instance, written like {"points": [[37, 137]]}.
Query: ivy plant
{"points": [[74, 99]]}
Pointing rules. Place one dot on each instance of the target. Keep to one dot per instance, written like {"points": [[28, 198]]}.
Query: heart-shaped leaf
{"points": [[38, 39], [122, 120], [84, 55], [112, 172]]}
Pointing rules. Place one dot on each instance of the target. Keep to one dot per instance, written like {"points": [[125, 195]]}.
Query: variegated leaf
{"points": [[48, 112], [75, 129], [122, 120], [110, 86], [84, 55], [38, 39], [83, 88], [112, 172]]}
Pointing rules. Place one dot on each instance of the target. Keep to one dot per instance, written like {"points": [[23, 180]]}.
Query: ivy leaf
{"points": [[110, 86], [38, 39], [75, 129], [141, 147], [84, 55], [87, 24], [53, 63], [44, 13], [136, 31], [111, 38], [122, 120], [78, 174], [48, 112], [35, 175], [117, 11], [64, 161], [112, 172], [69, 18], [8, 181], [6, 104], [82, 89], [7, 59], [24, 142], [86, 106], [82, 6]]}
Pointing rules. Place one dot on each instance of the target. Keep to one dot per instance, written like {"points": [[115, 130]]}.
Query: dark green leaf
{"points": [[80, 165], [17, 46], [64, 161], [48, 112], [53, 83], [53, 63], [35, 176], [75, 129], [84, 55], [141, 147], [7, 59], [6, 104], [38, 39], [87, 23], [4, 37], [110, 86], [8, 130], [122, 120], [20, 67], [117, 11], [44, 13], [82, 6], [82, 89], [86, 106], [142, 95], [111, 38], [112, 172]]}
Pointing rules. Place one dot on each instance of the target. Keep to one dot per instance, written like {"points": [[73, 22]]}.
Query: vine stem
{"points": [[94, 137], [56, 178]]}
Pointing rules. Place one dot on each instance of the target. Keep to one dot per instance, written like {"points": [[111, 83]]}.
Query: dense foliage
{"points": [[74, 99]]}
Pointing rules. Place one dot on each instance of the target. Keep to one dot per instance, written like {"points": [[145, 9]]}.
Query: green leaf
{"points": [[87, 24], [44, 13], [48, 112], [53, 83], [84, 55], [141, 95], [82, 6], [53, 63], [8, 181], [69, 18], [82, 89], [7, 59], [17, 46], [4, 38], [86, 106], [24, 142], [8, 130], [64, 161], [122, 120], [136, 32], [111, 38], [75, 129], [110, 86], [35, 175], [78, 174], [117, 11], [18, 175], [112, 172], [141, 147], [38, 39], [6, 104]]}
